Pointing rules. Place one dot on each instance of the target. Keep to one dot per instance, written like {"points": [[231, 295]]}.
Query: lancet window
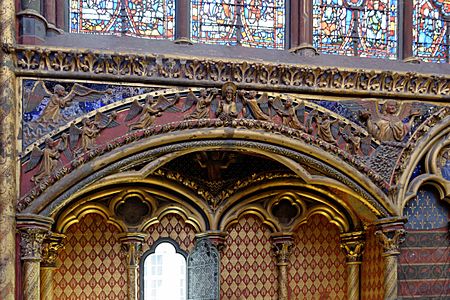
{"points": [[164, 272], [366, 28], [431, 30]]}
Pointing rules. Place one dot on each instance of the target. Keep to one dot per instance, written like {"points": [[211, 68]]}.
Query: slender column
{"points": [[60, 15], [302, 28], [132, 245], [390, 235], [50, 249], [50, 11], [8, 157], [33, 230], [182, 26], [282, 245], [352, 244], [407, 30]]}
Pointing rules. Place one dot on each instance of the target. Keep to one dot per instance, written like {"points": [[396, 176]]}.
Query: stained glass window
{"points": [[365, 28], [253, 23], [430, 29], [143, 18]]}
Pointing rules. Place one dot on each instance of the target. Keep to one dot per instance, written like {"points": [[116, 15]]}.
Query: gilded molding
{"points": [[353, 244], [84, 63]]}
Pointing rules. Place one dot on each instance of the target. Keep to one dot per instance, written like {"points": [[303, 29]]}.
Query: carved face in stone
{"points": [[390, 107], [59, 90], [229, 94]]}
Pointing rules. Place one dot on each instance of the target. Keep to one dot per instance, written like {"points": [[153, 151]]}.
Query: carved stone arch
{"points": [[365, 190], [110, 198], [430, 139]]}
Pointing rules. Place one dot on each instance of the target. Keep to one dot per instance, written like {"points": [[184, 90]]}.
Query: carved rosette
{"points": [[282, 246], [50, 249]]}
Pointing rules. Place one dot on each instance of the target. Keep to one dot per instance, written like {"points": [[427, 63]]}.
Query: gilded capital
{"points": [[353, 244], [282, 246], [132, 246], [50, 248], [391, 240], [31, 240]]}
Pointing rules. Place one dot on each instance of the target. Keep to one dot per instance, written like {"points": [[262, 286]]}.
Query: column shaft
{"points": [[353, 284], [8, 184], [407, 26], [306, 22], [31, 282], [50, 11], [183, 25], [390, 277], [47, 283], [132, 282]]}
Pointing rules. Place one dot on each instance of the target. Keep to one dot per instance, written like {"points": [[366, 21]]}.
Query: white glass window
{"points": [[165, 274]]}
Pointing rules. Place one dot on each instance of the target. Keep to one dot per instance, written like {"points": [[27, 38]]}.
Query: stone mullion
{"points": [[182, 26], [391, 234], [282, 245], [352, 244], [8, 158], [406, 32], [132, 245]]}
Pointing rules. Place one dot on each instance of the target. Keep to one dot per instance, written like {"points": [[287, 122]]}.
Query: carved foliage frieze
{"points": [[295, 77]]}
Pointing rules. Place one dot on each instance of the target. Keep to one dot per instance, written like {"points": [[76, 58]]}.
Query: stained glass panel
{"points": [[143, 18], [430, 29], [252, 23], [365, 28]]}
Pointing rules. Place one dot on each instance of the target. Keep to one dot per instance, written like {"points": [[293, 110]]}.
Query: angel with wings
{"points": [[149, 111], [387, 124], [258, 108], [90, 131], [47, 158], [59, 99], [289, 112], [202, 104]]}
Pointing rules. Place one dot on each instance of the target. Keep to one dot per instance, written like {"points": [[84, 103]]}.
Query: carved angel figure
{"points": [[387, 124], [47, 158], [90, 131], [289, 112], [256, 106], [202, 104], [149, 111], [59, 99]]}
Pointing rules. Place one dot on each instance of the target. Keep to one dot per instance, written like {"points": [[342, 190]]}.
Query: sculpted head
{"points": [[390, 107], [59, 90]]}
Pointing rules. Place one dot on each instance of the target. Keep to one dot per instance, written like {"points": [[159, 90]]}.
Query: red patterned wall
{"points": [[317, 264], [92, 265], [248, 269], [372, 269], [174, 227]]}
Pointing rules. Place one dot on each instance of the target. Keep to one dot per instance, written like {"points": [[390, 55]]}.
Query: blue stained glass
{"points": [[253, 23], [429, 29], [143, 18], [356, 27]]}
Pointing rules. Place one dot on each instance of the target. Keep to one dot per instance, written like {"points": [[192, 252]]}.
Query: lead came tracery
{"points": [[365, 28], [142, 18], [254, 23], [431, 30]]}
